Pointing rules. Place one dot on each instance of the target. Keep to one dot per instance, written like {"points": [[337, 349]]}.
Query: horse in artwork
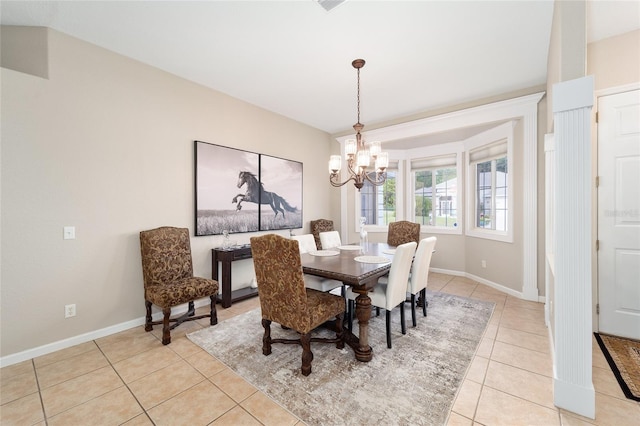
{"points": [[256, 194]]}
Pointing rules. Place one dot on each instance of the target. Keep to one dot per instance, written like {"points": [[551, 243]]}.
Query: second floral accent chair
{"points": [[167, 270], [318, 226], [285, 300], [402, 232]]}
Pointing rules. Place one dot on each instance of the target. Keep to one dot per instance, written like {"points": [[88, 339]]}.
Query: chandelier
{"points": [[359, 156]]}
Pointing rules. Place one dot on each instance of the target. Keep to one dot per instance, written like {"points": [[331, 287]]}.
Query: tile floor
{"points": [[129, 378]]}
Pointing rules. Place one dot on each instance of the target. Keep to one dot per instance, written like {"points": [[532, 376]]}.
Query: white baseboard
{"points": [[500, 287], [92, 335]]}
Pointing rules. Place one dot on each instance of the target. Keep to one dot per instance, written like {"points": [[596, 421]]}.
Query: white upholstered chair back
{"points": [[306, 242], [399, 275], [330, 239], [421, 262]]}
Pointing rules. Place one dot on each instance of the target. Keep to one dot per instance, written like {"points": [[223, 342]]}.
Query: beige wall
{"points": [[105, 144], [615, 61]]}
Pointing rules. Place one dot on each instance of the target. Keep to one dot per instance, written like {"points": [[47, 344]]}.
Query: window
{"points": [[378, 203], [435, 191], [490, 184], [381, 204], [491, 194]]}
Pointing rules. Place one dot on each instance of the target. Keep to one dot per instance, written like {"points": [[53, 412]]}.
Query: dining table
{"points": [[358, 266]]}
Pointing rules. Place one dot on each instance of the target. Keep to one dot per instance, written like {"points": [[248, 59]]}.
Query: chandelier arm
{"points": [[333, 180], [379, 180]]}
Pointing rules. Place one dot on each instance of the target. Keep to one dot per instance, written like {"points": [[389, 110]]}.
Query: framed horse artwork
{"points": [[242, 191]]}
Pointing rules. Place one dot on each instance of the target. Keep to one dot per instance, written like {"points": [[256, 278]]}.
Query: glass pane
{"points": [[423, 194], [378, 203]]}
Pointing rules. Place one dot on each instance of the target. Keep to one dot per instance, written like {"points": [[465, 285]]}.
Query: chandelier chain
{"points": [[358, 96]]}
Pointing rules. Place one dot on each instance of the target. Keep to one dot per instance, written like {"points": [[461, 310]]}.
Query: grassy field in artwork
{"points": [[210, 222], [213, 222]]}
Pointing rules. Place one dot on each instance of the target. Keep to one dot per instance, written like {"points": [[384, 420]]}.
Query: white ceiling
{"points": [[294, 58]]}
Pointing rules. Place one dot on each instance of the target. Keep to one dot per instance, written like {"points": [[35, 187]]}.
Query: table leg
{"points": [[363, 351]]}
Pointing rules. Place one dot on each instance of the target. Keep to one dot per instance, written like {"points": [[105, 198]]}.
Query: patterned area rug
{"points": [[414, 383], [623, 356]]}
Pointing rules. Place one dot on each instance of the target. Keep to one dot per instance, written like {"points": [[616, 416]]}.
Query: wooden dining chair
{"points": [[285, 300], [402, 232], [306, 244], [167, 270], [393, 292]]}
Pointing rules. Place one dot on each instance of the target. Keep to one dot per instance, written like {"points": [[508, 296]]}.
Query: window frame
{"points": [[400, 182], [502, 132], [454, 148]]}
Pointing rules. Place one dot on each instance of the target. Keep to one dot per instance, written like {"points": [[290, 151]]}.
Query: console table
{"points": [[226, 256]]}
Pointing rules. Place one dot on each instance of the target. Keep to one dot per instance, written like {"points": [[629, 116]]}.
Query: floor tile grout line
{"points": [[35, 373], [126, 385]]}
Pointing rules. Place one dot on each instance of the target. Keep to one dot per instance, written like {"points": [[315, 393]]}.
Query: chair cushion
{"points": [[320, 284], [181, 291], [322, 307]]}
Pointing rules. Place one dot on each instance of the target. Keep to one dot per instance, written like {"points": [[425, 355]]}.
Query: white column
{"points": [[573, 386], [530, 205]]}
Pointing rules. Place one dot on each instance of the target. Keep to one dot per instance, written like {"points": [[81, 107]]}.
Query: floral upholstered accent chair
{"points": [[285, 300], [318, 226], [402, 232], [167, 270]]}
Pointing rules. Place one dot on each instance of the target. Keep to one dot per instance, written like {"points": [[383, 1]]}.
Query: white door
{"points": [[619, 214]]}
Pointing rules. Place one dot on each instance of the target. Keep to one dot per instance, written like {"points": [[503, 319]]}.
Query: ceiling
{"points": [[294, 57]]}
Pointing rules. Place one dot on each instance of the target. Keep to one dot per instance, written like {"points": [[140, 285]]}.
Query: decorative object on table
{"points": [[623, 356], [415, 383], [403, 231], [394, 292], [358, 154], [330, 239], [364, 239], [285, 300], [167, 270], [243, 191]]}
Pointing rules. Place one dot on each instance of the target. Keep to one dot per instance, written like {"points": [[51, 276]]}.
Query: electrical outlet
{"points": [[484, 263], [70, 310], [69, 232]]}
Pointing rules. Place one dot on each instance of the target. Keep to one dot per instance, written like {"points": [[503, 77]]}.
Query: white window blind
{"points": [[488, 152], [430, 163]]}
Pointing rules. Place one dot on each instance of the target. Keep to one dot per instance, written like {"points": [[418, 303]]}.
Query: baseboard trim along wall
{"points": [[93, 335]]}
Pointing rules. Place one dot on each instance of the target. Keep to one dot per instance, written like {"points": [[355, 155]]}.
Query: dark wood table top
{"points": [[343, 266]]}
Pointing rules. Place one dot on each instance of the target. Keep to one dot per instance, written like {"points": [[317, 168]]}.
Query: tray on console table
{"points": [[225, 256]]}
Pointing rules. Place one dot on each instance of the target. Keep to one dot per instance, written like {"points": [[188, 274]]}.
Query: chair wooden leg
{"points": [[266, 339], [148, 319], [307, 355], [413, 309], [214, 313], [340, 330], [423, 294], [166, 329], [402, 322], [192, 309], [388, 329]]}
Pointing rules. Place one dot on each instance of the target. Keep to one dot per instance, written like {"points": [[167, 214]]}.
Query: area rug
{"points": [[623, 356], [414, 383]]}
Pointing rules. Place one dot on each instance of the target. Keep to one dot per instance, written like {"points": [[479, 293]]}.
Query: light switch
{"points": [[69, 232]]}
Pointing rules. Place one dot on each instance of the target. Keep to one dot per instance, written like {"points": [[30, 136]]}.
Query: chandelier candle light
{"points": [[358, 156]]}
